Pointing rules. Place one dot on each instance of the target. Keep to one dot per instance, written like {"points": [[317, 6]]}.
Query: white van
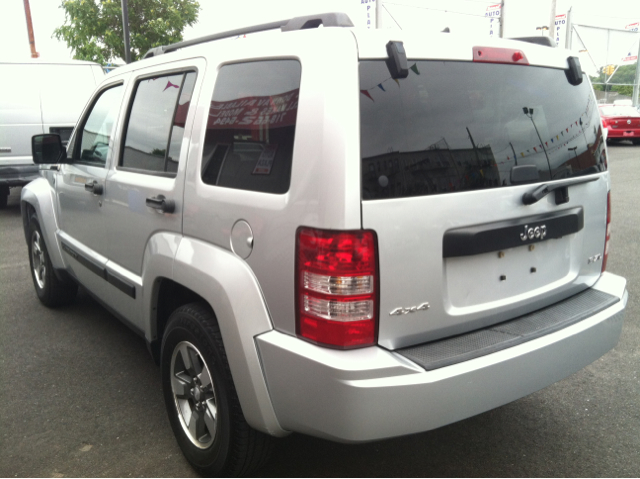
{"points": [[38, 97]]}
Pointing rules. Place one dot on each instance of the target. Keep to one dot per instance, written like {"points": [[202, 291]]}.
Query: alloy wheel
{"points": [[194, 394]]}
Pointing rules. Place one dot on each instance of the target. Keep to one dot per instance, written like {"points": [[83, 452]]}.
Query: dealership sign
{"points": [[255, 112], [492, 12]]}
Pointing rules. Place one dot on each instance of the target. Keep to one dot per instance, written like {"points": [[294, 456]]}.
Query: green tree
{"points": [[624, 74], [93, 28]]}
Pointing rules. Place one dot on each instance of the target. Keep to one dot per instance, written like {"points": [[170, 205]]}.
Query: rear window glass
{"points": [[251, 126], [460, 126]]}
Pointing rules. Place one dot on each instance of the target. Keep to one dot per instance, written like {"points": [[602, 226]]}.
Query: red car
{"points": [[622, 123]]}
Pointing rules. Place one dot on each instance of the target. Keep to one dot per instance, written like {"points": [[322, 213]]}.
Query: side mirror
{"points": [[47, 149]]}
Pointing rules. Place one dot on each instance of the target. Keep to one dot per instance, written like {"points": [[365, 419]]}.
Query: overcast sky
{"points": [[521, 17]]}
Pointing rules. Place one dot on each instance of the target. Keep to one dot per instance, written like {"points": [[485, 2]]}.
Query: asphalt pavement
{"points": [[80, 395]]}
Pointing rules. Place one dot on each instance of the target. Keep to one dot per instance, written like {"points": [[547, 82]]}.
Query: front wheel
{"points": [[51, 290], [201, 400]]}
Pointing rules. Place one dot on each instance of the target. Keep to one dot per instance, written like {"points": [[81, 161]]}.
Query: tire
{"points": [[201, 400], [51, 290], [4, 196], [636, 141]]}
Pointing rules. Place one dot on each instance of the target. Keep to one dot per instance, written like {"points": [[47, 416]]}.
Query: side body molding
{"points": [[41, 196], [229, 285]]}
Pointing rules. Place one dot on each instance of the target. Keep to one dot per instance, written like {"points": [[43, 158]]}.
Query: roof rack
{"points": [[296, 23]]}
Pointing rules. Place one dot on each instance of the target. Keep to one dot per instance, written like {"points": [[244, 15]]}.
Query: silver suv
{"points": [[349, 234]]}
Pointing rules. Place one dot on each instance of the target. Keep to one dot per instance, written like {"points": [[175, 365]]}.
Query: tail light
{"points": [[337, 287], [607, 238], [605, 123]]}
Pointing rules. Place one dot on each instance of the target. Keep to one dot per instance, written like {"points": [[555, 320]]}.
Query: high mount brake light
{"points": [[607, 237], [337, 287], [499, 55]]}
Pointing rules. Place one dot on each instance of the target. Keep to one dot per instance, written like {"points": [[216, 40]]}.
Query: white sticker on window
{"points": [[265, 162]]}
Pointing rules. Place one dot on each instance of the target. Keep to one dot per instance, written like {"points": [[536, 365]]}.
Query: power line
{"points": [[392, 18], [436, 9]]}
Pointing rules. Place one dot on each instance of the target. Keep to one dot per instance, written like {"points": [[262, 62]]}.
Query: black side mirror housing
{"points": [[47, 149]]}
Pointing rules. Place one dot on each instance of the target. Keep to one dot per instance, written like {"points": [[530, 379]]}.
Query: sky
{"points": [[467, 17]]}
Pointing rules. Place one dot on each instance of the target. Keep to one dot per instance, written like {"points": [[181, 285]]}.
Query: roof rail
{"points": [[544, 41], [296, 23]]}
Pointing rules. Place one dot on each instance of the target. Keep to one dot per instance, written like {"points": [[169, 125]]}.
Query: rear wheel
{"points": [[51, 290], [201, 400]]}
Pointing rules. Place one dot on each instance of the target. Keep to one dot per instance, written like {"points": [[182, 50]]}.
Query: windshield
{"points": [[619, 111], [459, 126]]}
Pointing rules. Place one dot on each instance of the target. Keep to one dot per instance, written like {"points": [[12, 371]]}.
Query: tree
{"points": [[625, 74], [93, 28]]}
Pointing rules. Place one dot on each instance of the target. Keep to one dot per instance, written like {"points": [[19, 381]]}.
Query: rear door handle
{"points": [[94, 187], [161, 203]]}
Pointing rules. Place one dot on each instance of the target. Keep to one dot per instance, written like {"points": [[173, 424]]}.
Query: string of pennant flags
{"points": [[365, 92]]}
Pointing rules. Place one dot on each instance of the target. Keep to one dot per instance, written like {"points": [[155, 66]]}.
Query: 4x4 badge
{"points": [[410, 309], [539, 232]]}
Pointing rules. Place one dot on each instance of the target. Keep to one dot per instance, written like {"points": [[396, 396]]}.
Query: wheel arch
{"points": [[202, 272], [37, 197]]}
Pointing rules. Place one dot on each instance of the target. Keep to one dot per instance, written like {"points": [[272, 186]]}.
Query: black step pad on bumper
{"points": [[445, 352]]}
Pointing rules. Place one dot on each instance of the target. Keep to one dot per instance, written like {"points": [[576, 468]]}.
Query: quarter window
{"points": [[251, 126], [98, 127], [155, 128]]}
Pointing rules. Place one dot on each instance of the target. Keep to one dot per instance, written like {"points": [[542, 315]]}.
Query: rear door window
{"points": [[251, 126], [460, 126]]}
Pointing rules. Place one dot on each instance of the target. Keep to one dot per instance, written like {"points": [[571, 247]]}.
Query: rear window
{"points": [[460, 126], [251, 126]]}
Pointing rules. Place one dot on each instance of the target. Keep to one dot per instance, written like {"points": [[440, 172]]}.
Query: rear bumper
{"points": [[621, 134], [18, 175], [372, 393]]}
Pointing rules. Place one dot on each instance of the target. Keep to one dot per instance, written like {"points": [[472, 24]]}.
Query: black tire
{"points": [[636, 141], [4, 196], [222, 446], [51, 290]]}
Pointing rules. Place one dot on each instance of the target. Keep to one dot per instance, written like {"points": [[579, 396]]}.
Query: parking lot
{"points": [[81, 396]]}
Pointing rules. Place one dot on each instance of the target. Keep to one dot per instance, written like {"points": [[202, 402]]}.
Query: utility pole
{"points": [[378, 14], [125, 30], [568, 31], [501, 34], [32, 40], [636, 83], [552, 22]]}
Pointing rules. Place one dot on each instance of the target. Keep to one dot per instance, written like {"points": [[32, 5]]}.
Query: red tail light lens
{"points": [[499, 55], [337, 287], [607, 238]]}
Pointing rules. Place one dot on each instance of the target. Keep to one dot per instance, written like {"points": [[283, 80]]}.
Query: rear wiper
{"points": [[561, 188]]}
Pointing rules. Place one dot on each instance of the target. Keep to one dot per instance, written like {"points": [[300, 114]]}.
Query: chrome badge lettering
{"points": [[594, 259], [410, 309], [538, 232]]}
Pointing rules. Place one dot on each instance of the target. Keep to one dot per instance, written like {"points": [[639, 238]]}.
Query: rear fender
{"points": [[228, 284]]}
